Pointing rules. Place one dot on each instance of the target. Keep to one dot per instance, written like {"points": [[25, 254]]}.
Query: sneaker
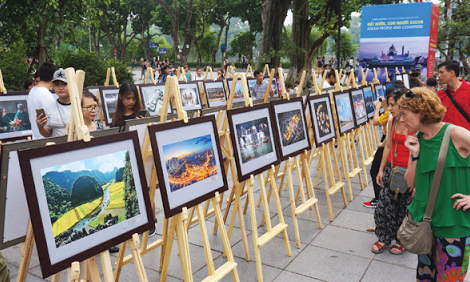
{"points": [[153, 231], [371, 204]]}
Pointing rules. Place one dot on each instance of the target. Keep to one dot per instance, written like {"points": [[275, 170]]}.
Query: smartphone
{"points": [[40, 112], [143, 113]]}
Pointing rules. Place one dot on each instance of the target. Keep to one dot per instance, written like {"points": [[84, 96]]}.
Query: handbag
{"points": [[417, 237], [398, 183]]}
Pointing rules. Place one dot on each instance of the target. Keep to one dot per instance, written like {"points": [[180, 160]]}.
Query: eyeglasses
{"points": [[410, 94], [92, 108]]}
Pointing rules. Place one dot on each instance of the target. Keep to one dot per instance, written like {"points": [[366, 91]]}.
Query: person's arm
{"points": [[386, 153], [375, 119], [461, 139], [412, 144], [43, 129]]}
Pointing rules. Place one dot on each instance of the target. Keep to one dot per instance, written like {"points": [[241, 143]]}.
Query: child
{"points": [[128, 104]]}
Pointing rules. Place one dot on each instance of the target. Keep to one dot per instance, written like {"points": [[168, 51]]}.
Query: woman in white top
{"points": [[57, 111]]}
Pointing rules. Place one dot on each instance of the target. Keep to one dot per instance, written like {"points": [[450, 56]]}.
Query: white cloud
{"points": [[74, 167], [109, 162]]}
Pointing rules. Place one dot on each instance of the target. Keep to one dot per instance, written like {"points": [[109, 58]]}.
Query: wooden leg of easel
{"points": [[237, 209], [106, 266], [292, 201], [325, 180], [225, 239], [165, 239], [346, 170], [254, 226], [27, 251], [190, 218], [309, 184], [92, 269], [205, 240], [119, 262], [73, 272], [361, 144], [138, 263]]}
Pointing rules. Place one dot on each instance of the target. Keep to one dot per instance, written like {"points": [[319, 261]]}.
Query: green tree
{"points": [[14, 68], [131, 203], [240, 45], [347, 48], [85, 189]]}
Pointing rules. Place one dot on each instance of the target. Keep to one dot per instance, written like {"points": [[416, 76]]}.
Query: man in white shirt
{"points": [[259, 88], [330, 80], [40, 96]]}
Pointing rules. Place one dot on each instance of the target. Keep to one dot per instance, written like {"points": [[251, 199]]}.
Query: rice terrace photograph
{"points": [[189, 161], [87, 196], [291, 127], [254, 139]]}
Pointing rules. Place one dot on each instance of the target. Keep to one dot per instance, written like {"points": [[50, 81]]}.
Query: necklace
{"points": [[395, 154], [60, 113]]}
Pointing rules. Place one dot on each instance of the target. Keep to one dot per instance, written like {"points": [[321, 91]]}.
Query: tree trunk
{"points": [[214, 51], [301, 38], [41, 42], [273, 14]]}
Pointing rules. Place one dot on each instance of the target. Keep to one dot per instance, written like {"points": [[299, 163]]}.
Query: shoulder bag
{"points": [[456, 105], [398, 183], [417, 237]]}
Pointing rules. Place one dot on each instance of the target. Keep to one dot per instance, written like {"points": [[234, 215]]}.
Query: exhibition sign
{"points": [[399, 35]]}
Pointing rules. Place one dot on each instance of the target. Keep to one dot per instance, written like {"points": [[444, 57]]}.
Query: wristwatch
{"points": [[414, 158]]}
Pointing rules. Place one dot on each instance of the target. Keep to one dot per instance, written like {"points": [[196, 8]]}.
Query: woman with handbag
{"points": [[394, 196], [449, 198]]}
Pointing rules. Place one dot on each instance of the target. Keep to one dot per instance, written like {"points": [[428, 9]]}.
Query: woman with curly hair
{"points": [[422, 112]]}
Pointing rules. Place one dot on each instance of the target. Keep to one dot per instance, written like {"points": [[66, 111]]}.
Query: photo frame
{"points": [[274, 87], [14, 215], [359, 106], [253, 139], [85, 197], [216, 95], [290, 127], [369, 100], [216, 112], [152, 98], [406, 80], [140, 125], [189, 162], [238, 95], [190, 96], [109, 98], [15, 120], [398, 77], [251, 81], [344, 112], [322, 119]]}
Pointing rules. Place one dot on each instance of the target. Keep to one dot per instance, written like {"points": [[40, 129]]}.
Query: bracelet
{"points": [[414, 158]]}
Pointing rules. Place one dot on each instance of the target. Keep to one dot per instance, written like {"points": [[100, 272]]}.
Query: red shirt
{"points": [[462, 97], [403, 154]]}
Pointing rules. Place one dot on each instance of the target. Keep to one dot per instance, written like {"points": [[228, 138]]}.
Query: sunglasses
{"points": [[410, 94]]}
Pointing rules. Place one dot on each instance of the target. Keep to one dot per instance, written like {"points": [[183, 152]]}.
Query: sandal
{"points": [[371, 229], [380, 247], [398, 247]]}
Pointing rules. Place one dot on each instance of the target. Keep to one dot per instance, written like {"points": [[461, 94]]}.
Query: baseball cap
{"points": [[59, 75]]}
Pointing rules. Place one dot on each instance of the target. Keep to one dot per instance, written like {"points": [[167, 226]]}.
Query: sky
{"points": [[103, 163], [186, 147]]}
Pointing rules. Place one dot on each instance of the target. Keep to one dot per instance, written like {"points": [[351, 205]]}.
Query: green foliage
{"points": [[454, 33], [14, 68], [239, 46], [58, 200], [95, 70], [85, 189], [348, 48], [119, 174], [130, 195]]}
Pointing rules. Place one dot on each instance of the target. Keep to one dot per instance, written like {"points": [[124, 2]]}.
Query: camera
{"points": [[414, 74], [380, 99]]}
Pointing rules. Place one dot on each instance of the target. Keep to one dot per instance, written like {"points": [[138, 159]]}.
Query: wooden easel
{"points": [[2, 86], [209, 72], [237, 190], [300, 90], [149, 74], [266, 70], [323, 80], [268, 89], [178, 222], [386, 75], [249, 71], [364, 75], [111, 72]]}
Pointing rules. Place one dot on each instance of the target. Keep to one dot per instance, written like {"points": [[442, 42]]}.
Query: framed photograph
{"points": [[14, 216], [85, 197], [218, 112], [379, 91], [406, 80], [359, 106], [190, 96], [215, 93], [109, 98], [344, 111], [398, 77], [251, 82], [274, 87], [369, 100], [189, 162], [15, 121], [152, 98], [290, 127], [252, 138], [238, 96], [322, 118]]}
